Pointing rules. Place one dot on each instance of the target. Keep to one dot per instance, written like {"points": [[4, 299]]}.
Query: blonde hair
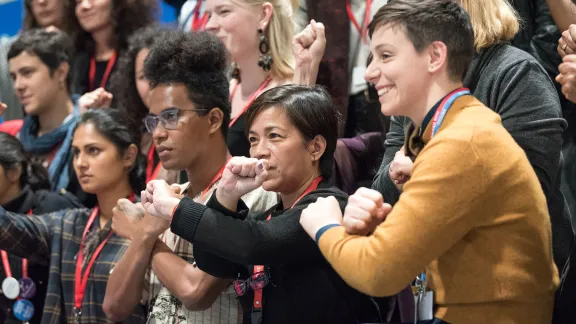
{"points": [[279, 32], [493, 21]]}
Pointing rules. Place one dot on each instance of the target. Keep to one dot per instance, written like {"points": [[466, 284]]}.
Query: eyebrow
{"points": [[268, 129]]}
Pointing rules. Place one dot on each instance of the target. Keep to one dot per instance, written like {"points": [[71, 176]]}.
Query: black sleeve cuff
{"points": [[241, 208], [186, 218]]}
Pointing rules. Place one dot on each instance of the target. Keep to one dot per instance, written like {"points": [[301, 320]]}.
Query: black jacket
{"points": [[40, 202], [303, 289], [514, 85]]}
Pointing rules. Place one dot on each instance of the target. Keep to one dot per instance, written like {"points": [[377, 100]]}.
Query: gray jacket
{"points": [[513, 84], [7, 93]]}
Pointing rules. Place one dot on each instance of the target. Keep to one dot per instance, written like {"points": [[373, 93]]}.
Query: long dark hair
{"points": [[68, 26], [123, 81], [121, 131], [127, 17], [12, 156]]}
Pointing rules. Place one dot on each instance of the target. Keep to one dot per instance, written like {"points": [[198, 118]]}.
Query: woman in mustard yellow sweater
{"points": [[472, 222]]}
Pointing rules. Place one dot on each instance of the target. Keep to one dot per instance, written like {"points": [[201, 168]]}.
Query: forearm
{"points": [[196, 289], [306, 74], [26, 237], [562, 13], [126, 282]]}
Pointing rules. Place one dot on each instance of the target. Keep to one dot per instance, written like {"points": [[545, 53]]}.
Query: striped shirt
{"points": [[54, 240], [165, 308]]}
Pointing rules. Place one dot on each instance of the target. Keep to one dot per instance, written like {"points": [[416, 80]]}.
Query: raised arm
{"points": [[28, 236], [308, 47], [562, 12], [249, 241]]}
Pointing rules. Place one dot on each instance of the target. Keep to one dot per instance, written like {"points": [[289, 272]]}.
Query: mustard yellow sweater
{"points": [[474, 216]]}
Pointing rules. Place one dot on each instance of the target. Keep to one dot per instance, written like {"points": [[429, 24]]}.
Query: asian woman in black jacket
{"points": [[281, 277]]}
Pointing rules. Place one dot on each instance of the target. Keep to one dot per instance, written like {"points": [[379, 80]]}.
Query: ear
{"points": [[130, 156], [13, 174], [265, 15], [316, 147], [437, 57], [62, 71], [215, 120]]}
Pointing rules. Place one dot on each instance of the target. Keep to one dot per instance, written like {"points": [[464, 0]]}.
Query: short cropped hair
{"points": [[309, 109], [52, 48], [427, 21], [197, 60]]}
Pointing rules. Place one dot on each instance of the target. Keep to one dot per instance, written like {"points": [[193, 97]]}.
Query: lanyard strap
{"points": [[92, 72], [6, 262], [444, 106], [250, 100], [80, 281], [198, 24], [257, 305], [217, 177], [364, 30], [151, 172]]}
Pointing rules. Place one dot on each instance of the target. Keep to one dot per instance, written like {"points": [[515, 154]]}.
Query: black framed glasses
{"points": [[167, 118], [259, 280]]}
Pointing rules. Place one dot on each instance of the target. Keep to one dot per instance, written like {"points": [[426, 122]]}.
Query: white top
{"points": [[186, 14]]}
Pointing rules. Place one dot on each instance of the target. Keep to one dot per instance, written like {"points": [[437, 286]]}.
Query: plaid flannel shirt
{"points": [[54, 240]]}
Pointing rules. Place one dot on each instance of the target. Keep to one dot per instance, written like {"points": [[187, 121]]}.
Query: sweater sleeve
{"points": [[280, 240], [393, 143], [432, 214]]}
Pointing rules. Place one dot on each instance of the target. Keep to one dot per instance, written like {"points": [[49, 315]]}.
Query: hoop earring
{"points": [[265, 60]]}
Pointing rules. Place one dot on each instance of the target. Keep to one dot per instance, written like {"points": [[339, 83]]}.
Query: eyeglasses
{"points": [[259, 280], [168, 118]]}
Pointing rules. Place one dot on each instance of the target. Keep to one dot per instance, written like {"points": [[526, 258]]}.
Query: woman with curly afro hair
{"points": [[106, 26]]}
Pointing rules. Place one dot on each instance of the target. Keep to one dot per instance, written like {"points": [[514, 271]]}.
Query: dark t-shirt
{"points": [[238, 144]]}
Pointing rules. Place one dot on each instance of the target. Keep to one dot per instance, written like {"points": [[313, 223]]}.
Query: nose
{"points": [[84, 4], [212, 25], [372, 73], [260, 150], [18, 84], [159, 134], [80, 162]]}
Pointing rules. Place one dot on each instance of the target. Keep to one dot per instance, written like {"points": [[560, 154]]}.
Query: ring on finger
{"points": [[564, 47]]}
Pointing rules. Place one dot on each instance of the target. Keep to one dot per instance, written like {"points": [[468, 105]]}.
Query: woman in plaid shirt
{"points": [[78, 244]]}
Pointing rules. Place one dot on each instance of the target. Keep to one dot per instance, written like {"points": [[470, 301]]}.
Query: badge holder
{"points": [[423, 300]]}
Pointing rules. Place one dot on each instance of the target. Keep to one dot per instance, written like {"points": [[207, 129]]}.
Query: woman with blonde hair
{"points": [[513, 84], [258, 35]]}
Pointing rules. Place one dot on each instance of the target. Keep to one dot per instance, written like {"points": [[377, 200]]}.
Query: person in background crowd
{"points": [[129, 92], [513, 84], [188, 105], [24, 189], [40, 67], [280, 275], [193, 16], [258, 35], [106, 26], [563, 12], [37, 14], [78, 244], [479, 229]]}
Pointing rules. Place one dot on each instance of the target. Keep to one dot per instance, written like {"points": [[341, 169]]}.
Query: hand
{"points": [[309, 45], [400, 169], [567, 43], [3, 108], [365, 211], [159, 199], [131, 221], [567, 77], [242, 175], [323, 212], [98, 98]]}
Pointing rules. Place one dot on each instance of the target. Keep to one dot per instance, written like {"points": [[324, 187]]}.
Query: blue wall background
{"points": [[12, 12]]}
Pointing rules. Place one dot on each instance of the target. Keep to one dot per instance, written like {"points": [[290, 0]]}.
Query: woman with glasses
{"points": [[280, 275], [78, 244]]}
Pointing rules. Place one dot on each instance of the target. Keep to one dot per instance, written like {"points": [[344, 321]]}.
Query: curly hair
{"points": [[123, 81], [127, 17], [197, 60]]}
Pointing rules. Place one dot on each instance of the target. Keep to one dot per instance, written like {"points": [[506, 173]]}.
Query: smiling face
{"points": [[94, 15], [235, 24], [275, 139], [397, 70]]}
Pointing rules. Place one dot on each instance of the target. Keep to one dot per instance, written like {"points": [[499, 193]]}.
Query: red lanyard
{"points": [[260, 268], [6, 263], [92, 72], [364, 30], [80, 281], [198, 24], [250, 100], [151, 172]]}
